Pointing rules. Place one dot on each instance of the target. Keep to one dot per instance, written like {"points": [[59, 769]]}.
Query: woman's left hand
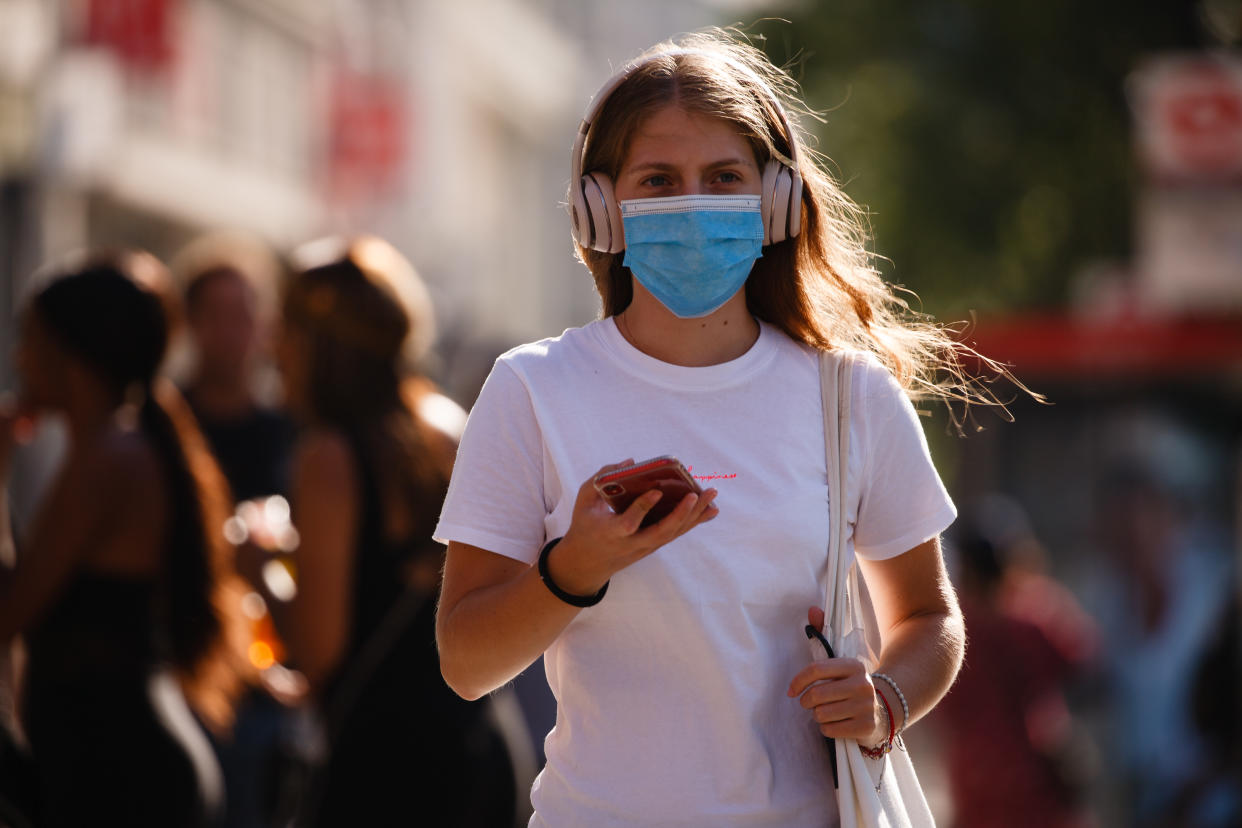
{"points": [[840, 695]]}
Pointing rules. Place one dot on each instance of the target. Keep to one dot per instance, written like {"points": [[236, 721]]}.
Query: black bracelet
{"points": [[567, 597]]}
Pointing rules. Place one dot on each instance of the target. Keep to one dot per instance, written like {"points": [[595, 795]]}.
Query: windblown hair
{"points": [[358, 312], [821, 287], [115, 314]]}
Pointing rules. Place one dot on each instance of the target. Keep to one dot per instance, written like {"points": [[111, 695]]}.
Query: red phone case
{"points": [[620, 487]]}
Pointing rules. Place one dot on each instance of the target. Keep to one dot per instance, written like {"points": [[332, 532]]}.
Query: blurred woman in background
{"points": [[369, 473], [120, 590]]}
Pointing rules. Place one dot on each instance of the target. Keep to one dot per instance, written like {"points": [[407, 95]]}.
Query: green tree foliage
{"points": [[991, 141]]}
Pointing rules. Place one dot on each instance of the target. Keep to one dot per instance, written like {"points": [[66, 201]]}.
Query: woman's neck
{"points": [[90, 411], [721, 336]]}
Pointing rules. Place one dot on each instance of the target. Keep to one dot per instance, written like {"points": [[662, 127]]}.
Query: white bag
{"points": [[871, 793]]}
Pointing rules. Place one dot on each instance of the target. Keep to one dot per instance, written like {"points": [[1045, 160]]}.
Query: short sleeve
{"points": [[902, 501], [495, 499]]}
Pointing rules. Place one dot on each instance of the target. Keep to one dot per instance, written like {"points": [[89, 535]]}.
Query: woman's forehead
{"points": [[673, 134]]}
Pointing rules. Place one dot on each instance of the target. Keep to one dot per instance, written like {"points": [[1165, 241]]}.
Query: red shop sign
{"points": [[1189, 117], [138, 31]]}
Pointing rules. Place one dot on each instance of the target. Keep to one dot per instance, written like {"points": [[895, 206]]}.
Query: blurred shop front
{"points": [[146, 122], [1159, 338], [1132, 475]]}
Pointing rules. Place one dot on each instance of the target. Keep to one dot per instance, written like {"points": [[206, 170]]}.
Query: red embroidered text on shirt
{"points": [[710, 476]]}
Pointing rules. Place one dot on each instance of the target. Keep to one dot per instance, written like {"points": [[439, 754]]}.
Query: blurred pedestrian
{"points": [[224, 280], [1009, 703], [121, 587], [370, 469], [1160, 593], [726, 259], [228, 281]]}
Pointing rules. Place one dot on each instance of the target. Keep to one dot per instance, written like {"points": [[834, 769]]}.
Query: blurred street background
{"points": [[1063, 178]]}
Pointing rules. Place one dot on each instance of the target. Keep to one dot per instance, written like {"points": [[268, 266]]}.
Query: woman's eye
{"points": [[728, 178], [657, 181]]}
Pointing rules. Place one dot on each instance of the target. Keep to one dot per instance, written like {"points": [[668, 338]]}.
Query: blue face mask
{"points": [[692, 252]]}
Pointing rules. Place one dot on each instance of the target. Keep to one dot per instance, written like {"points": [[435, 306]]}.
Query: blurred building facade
{"points": [[443, 126]]}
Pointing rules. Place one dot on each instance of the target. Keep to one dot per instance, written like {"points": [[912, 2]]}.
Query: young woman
{"points": [[725, 259], [120, 590], [370, 470]]}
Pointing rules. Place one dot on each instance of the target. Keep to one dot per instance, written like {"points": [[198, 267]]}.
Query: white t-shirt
{"points": [[671, 692]]}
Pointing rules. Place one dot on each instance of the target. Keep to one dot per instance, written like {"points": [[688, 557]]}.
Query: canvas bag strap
{"points": [[836, 376]]}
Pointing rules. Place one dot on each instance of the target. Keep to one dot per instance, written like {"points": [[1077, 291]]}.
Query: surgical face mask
{"points": [[692, 252]]}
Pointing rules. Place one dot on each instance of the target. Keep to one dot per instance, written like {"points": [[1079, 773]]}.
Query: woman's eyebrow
{"points": [[664, 166]]}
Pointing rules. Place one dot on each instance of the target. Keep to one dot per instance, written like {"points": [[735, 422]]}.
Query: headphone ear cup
{"points": [[612, 212], [770, 172], [795, 203], [782, 183], [603, 213], [579, 213], [598, 235]]}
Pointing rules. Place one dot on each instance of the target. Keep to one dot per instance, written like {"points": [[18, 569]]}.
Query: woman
{"points": [[725, 259], [369, 474], [120, 592]]}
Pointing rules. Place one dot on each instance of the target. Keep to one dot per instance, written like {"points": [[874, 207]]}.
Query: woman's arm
{"points": [[923, 638], [75, 513], [496, 616], [324, 502]]}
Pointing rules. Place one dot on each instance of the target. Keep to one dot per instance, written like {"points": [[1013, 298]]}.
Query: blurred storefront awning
{"points": [[1075, 348]]}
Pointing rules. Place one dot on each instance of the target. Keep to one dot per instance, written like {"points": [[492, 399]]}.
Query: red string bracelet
{"points": [[887, 745]]}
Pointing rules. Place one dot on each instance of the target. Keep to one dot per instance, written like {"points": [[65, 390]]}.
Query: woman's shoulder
{"points": [[124, 456], [870, 376], [323, 453], [557, 357], [571, 342]]}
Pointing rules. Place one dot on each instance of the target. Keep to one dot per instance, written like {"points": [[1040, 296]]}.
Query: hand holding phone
{"points": [[621, 487]]}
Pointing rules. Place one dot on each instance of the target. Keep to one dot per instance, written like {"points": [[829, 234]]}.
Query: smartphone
{"points": [[620, 487]]}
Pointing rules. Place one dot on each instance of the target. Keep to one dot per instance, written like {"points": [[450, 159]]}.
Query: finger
{"points": [[704, 510], [632, 518], [850, 691], [707, 503], [831, 670], [676, 522], [815, 616], [835, 713]]}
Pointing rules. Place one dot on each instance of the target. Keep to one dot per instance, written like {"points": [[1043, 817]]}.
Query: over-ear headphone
{"points": [[596, 216]]}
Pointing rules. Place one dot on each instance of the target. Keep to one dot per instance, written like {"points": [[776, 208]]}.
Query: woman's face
{"points": [[42, 366], [675, 152]]}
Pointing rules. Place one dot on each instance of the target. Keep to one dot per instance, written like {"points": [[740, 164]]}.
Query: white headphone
{"points": [[596, 216]]}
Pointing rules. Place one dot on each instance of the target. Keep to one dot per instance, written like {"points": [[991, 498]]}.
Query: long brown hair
{"points": [[115, 314], [358, 312], [822, 287]]}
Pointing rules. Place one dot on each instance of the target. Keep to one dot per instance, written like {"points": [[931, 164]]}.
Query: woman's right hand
{"points": [[600, 543]]}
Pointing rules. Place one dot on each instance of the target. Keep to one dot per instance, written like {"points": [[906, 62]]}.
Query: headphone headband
{"points": [[595, 215]]}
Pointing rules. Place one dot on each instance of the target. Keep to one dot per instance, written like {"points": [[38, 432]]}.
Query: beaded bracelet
{"points": [[905, 708], [567, 597]]}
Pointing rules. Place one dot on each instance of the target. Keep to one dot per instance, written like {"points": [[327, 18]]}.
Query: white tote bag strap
{"points": [[844, 625], [883, 793], [836, 450]]}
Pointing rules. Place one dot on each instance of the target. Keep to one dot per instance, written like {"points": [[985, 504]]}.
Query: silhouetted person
{"points": [[1006, 727], [371, 466], [121, 589]]}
